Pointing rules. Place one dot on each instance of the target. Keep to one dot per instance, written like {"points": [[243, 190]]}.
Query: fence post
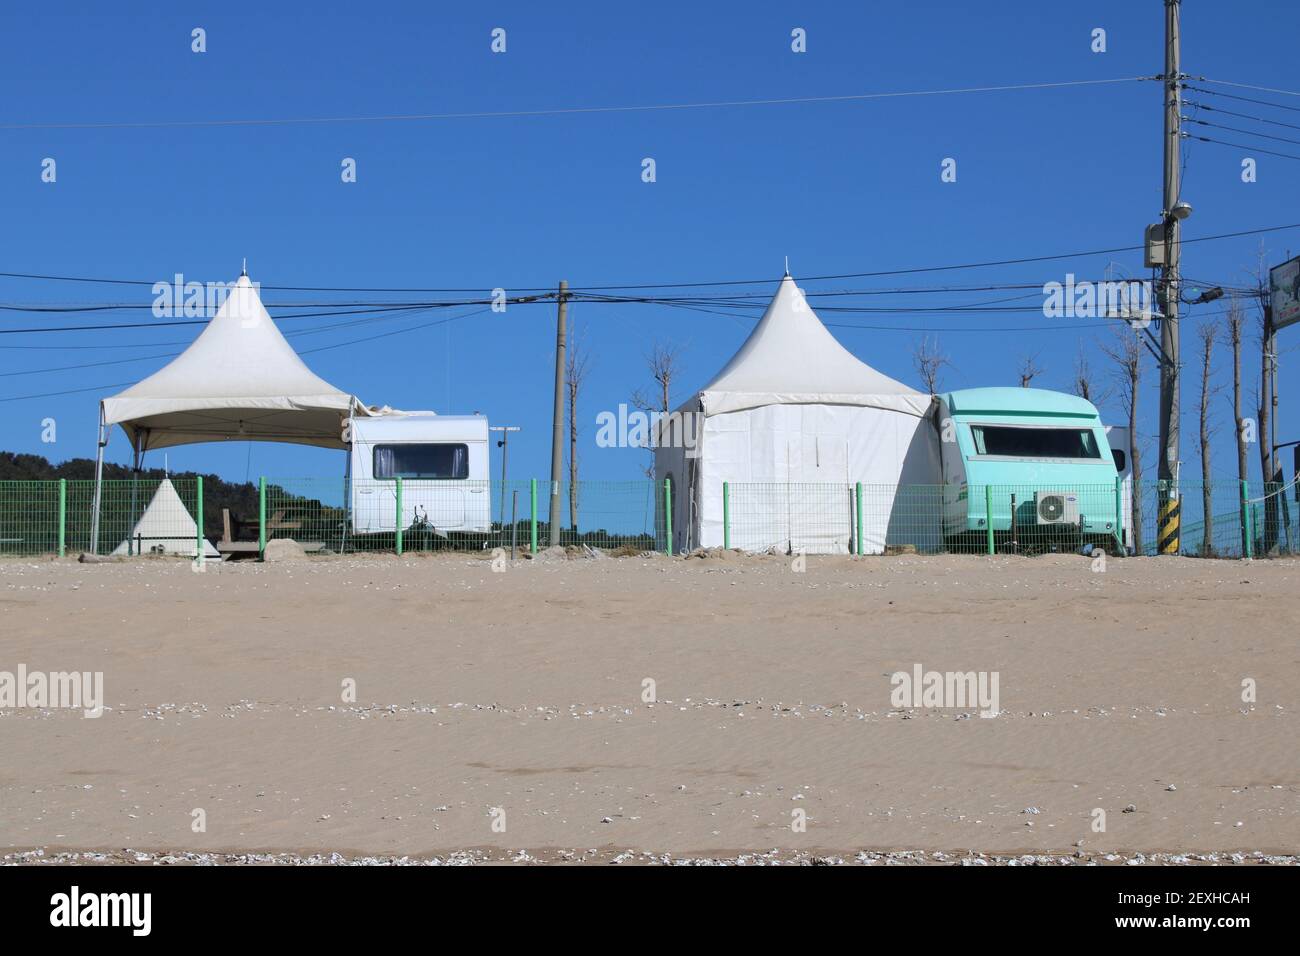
{"points": [[398, 525], [198, 523], [63, 516], [1247, 533], [988, 515], [1119, 514], [668, 517], [532, 521], [857, 499], [261, 518], [726, 515]]}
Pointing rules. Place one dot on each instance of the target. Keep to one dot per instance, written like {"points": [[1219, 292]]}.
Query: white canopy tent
{"points": [[794, 407], [240, 380]]}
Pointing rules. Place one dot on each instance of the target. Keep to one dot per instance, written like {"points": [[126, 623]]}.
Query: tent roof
{"points": [[239, 380], [792, 359]]}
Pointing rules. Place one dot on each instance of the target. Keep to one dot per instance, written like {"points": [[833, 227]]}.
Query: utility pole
{"points": [[1169, 514], [1272, 460], [504, 444], [557, 422]]}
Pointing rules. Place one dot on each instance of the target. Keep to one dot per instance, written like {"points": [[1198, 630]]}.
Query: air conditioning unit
{"points": [[1056, 507]]}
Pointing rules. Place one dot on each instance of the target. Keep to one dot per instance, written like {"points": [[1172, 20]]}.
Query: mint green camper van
{"points": [[1044, 454]]}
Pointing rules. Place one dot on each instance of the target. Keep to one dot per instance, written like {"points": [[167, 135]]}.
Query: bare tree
{"points": [[1206, 333], [1084, 383], [930, 362], [1263, 410], [575, 371], [1126, 353], [1263, 434], [1235, 322], [1029, 370], [662, 361]]}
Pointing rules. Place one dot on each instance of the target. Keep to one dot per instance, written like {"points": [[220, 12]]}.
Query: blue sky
{"points": [[839, 187]]}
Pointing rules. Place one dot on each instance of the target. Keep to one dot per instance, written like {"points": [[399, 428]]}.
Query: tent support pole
{"points": [[99, 478], [135, 478], [347, 488]]}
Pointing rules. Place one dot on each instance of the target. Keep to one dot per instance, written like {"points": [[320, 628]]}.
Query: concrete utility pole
{"points": [[504, 444], [1169, 515], [557, 452], [1271, 460]]}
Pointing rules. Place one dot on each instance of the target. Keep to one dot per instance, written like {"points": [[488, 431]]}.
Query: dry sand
{"points": [[523, 690]]}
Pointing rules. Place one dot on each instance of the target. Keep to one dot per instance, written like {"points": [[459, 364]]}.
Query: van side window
{"points": [[1121, 459], [423, 460]]}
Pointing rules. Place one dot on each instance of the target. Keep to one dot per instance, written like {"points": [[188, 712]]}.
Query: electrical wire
{"points": [[1248, 116], [549, 292], [1247, 132], [1251, 148], [503, 114]]}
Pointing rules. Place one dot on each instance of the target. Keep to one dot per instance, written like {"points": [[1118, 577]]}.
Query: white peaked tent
{"points": [[166, 527], [240, 380], [792, 423]]}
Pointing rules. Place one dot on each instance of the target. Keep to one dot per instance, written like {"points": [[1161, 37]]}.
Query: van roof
{"points": [[420, 426], [1039, 402]]}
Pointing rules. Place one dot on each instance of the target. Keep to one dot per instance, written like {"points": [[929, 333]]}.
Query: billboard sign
{"points": [[1284, 284]]}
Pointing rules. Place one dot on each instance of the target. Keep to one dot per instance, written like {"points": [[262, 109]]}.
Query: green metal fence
{"points": [[1221, 519], [136, 516], [338, 516]]}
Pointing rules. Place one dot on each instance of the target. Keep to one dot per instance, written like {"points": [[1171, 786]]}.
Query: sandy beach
{"points": [[507, 716]]}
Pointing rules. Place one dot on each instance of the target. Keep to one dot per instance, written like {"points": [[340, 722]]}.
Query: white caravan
{"points": [[442, 461]]}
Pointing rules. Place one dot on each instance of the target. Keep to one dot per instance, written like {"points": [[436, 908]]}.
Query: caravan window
{"points": [[410, 460], [1012, 442]]}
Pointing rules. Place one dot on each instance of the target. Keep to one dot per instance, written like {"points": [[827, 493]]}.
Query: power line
{"points": [[1244, 99], [1258, 119], [1251, 148], [383, 335], [1247, 86], [546, 293], [1247, 132], [373, 307], [68, 391], [144, 358], [407, 309], [68, 368], [503, 114]]}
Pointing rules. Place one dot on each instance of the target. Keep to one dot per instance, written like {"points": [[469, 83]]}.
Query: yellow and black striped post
{"points": [[1170, 520]]}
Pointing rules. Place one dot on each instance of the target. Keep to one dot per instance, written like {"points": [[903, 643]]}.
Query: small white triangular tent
{"points": [[792, 423], [166, 527]]}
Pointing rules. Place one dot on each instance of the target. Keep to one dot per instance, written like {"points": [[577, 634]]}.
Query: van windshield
{"points": [[1015, 442], [411, 460]]}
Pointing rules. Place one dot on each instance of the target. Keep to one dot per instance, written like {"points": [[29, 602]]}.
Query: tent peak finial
{"points": [[245, 270], [787, 265]]}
